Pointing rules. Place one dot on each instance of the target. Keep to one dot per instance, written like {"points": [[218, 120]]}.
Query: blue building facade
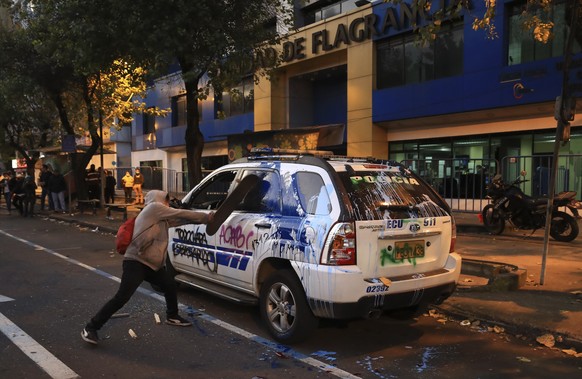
{"points": [[464, 102]]}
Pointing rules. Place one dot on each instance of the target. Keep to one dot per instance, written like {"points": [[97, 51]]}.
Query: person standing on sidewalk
{"points": [[6, 190], [110, 184], [93, 181], [45, 175], [137, 186], [127, 182], [29, 189], [57, 186], [145, 259], [17, 189]]}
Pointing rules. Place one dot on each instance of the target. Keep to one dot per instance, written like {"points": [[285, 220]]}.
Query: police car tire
{"points": [[303, 323]]}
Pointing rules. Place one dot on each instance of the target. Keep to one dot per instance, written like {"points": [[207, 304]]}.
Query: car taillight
{"points": [[341, 246], [453, 235]]}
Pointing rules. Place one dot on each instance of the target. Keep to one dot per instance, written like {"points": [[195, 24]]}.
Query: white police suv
{"points": [[320, 237]]}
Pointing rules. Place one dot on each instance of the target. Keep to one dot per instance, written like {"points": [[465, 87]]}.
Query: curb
{"points": [[514, 328], [501, 276]]}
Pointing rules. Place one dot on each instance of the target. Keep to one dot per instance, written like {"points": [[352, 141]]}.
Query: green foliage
{"points": [[535, 17]]}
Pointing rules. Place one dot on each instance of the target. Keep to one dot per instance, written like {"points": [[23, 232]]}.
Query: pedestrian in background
{"points": [[145, 259], [6, 190], [93, 180], [127, 182], [29, 199], [45, 175], [138, 186], [57, 187], [110, 184], [17, 190]]}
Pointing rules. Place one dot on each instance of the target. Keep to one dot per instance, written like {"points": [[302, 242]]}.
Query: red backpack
{"points": [[124, 236]]}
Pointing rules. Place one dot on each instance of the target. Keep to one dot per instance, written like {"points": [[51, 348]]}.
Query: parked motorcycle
{"points": [[509, 203]]}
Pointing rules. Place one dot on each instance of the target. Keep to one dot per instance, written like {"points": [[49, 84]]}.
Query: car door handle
{"points": [[263, 225]]}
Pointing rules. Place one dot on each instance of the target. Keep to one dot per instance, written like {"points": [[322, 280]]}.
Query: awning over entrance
{"points": [[305, 138]]}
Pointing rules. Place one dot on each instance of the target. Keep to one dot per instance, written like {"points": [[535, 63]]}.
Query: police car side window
{"points": [[214, 192], [312, 194], [266, 196]]}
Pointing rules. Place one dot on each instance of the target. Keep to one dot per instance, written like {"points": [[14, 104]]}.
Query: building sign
{"points": [[398, 17]]}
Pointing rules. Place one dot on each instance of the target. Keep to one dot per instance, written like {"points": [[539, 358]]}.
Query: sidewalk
{"points": [[553, 309]]}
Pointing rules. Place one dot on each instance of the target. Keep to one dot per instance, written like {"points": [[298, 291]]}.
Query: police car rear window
{"points": [[378, 195]]}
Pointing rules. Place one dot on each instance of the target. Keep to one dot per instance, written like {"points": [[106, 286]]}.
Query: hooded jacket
{"points": [[150, 234]]}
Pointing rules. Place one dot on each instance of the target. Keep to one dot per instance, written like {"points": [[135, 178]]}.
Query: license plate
{"points": [[408, 249]]}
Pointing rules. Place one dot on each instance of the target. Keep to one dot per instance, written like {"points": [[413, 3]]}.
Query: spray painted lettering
{"points": [[235, 236], [192, 236], [202, 256], [383, 179], [398, 254]]}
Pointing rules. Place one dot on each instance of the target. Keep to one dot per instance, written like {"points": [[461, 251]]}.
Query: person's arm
{"points": [[177, 217]]}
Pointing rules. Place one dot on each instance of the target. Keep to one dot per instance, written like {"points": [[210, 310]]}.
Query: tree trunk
{"points": [[83, 160], [193, 138]]}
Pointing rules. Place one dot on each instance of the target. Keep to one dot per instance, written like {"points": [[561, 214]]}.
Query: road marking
{"points": [[41, 356], [234, 329], [4, 299]]}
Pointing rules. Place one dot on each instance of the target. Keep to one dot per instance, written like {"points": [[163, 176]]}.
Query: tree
{"points": [[536, 17], [71, 49], [27, 119], [204, 37]]}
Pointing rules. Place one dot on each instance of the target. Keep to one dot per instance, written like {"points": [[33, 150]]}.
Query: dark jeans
{"points": [[28, 206], [128, 192], [44, 194], [134, 273], [109, 195], [8, 198], [18, 202]]}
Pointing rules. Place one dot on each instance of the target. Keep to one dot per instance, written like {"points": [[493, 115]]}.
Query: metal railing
{"points": [[154, 178], [537, 167], [463, 182]]}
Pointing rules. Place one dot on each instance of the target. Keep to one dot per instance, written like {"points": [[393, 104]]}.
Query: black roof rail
{"points": [[270, 153], [260, 151]]}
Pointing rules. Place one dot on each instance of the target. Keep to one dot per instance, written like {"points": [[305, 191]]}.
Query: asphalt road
{"points": [[54, 276]]}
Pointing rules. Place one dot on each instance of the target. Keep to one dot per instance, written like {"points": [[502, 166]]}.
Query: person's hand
{"points": [[210, 217]]}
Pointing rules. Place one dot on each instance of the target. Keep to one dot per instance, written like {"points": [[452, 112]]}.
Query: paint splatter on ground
{"points": [[327, 355], [427, 355]]}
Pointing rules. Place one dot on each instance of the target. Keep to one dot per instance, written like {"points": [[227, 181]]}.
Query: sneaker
{"points": [[90, 336], [177, 320]]}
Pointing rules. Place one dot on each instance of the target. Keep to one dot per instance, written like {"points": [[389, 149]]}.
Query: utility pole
{"points": [[564, 113]]}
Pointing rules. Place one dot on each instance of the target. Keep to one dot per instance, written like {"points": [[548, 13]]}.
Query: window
{"points": [[323, 12], [149, 122], [402, 60], [179, 110], [521, 46], [214, 192], [265, 197], [238, 100], [313, 194]]}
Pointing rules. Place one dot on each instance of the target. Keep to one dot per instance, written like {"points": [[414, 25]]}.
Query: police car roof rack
{"points": [[278, 153], [264, 152]]}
